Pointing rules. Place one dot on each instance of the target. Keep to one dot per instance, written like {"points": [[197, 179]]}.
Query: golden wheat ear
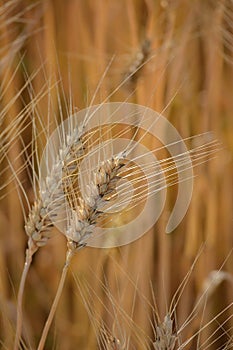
{"points": [[37, 223]]}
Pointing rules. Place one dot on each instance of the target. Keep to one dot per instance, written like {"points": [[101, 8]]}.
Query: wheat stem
{"points": [[32, 248], [70, 252]]}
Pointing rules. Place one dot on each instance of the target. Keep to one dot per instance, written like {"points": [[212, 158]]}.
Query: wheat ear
{"points": [[38, 223], [82, 222], [37, 228]]}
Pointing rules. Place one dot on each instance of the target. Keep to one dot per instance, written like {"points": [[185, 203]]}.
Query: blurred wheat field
{"points": [[53, 55]]}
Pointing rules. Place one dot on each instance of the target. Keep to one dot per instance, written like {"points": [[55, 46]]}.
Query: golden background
{"points": [[67, 48]]}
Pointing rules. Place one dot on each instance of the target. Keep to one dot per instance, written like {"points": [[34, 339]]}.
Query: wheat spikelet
{"points": [[165, 338], [38, 225]]}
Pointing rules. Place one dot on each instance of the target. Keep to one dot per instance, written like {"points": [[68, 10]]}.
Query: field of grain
{"points": [[176, 57]]}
